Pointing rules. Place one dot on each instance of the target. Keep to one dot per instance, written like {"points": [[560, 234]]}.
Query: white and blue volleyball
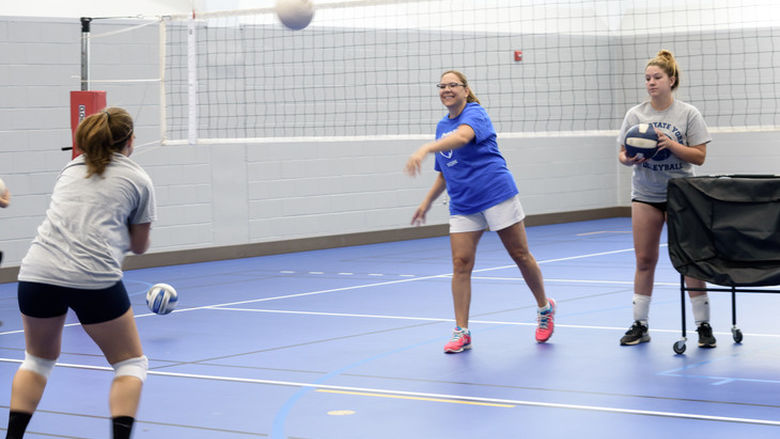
{"points": [[641, 139], [162, 298], [295, 14]]}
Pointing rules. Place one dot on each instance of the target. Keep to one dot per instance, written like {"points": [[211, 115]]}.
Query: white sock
{"points": [[701, 309], [544, 308], [641, 307]]}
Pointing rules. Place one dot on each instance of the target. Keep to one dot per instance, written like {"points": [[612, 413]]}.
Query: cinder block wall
{"points": [[217, 196]]}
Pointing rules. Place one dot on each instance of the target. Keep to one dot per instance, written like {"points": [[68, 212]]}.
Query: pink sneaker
{"points": [[546, 319], [460, 341]]}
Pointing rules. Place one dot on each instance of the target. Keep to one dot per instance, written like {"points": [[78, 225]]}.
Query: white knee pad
{"points": [[39, 365], [135, 367]]}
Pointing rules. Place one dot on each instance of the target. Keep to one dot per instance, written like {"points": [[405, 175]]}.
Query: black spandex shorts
{"points": [[91, 306], [660, 206]]}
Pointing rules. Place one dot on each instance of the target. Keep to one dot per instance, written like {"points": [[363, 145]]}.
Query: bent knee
{"points": [[522, 256], [462, 265], [136, 367], [39, 365]]}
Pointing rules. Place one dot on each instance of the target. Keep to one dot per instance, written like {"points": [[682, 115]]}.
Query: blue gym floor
{"points": [[347, 343]]}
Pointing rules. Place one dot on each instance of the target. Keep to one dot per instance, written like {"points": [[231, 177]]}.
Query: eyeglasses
{"points": [[449, 85]]}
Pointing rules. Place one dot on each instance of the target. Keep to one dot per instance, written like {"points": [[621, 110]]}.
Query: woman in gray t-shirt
{"points": [[102, 207], [682, 138]]}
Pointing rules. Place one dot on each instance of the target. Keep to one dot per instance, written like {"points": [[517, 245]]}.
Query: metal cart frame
{"points": [[725, 230]]}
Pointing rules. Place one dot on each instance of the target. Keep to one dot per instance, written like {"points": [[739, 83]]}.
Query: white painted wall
{"points": [[216, 195]]}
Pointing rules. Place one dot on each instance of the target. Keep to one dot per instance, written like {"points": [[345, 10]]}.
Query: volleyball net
{"points": [[369, 68]]}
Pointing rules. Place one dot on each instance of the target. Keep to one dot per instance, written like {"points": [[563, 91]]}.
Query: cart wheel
{"points": [[679, 347], [737, 334]]}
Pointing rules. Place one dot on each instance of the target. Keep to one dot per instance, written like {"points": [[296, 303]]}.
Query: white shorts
{"points": [[498, 217]]}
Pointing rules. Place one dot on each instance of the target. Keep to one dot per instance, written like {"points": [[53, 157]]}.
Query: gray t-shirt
{"points": [[84, 238], [682, 123]]}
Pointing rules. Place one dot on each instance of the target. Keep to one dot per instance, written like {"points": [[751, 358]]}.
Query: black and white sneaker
{"points": [[706, 339], [636, 334]]}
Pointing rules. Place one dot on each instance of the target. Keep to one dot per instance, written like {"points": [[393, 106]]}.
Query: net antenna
{"points": [[192, 81]]}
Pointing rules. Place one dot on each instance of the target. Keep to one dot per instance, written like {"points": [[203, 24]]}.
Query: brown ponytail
{"points": [[102, 134]]}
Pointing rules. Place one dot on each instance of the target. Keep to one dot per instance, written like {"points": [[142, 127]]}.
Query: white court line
{"points": [[601, 281], [568, 258], [392, 282], [223, 307], [438, 319], [266, 299], [576, 281], [20, 331], [604, 232], [438, 395], [355, 287]]}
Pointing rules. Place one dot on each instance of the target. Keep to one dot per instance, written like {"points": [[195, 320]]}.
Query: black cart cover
{"points": [[726, 229]]}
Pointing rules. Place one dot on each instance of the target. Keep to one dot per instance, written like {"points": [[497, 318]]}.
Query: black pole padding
{"points": [[85, 21]]}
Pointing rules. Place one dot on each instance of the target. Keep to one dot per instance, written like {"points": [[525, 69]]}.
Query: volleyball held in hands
{"points": [[2, 186], [641, 141], [295, 14], [162, 299]]}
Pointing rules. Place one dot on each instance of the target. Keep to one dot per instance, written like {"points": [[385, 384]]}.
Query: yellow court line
{"points": [[418, 398]]}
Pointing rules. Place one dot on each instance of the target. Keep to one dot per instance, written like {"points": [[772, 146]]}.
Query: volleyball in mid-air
{"points": [[295, 14], [162, 298], [641, 139]]}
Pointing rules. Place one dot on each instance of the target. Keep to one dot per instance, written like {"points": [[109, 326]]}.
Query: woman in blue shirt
{"points": [[483, 194]]}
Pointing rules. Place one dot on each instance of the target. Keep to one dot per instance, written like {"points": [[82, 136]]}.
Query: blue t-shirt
{"points": [[476, 173]]}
